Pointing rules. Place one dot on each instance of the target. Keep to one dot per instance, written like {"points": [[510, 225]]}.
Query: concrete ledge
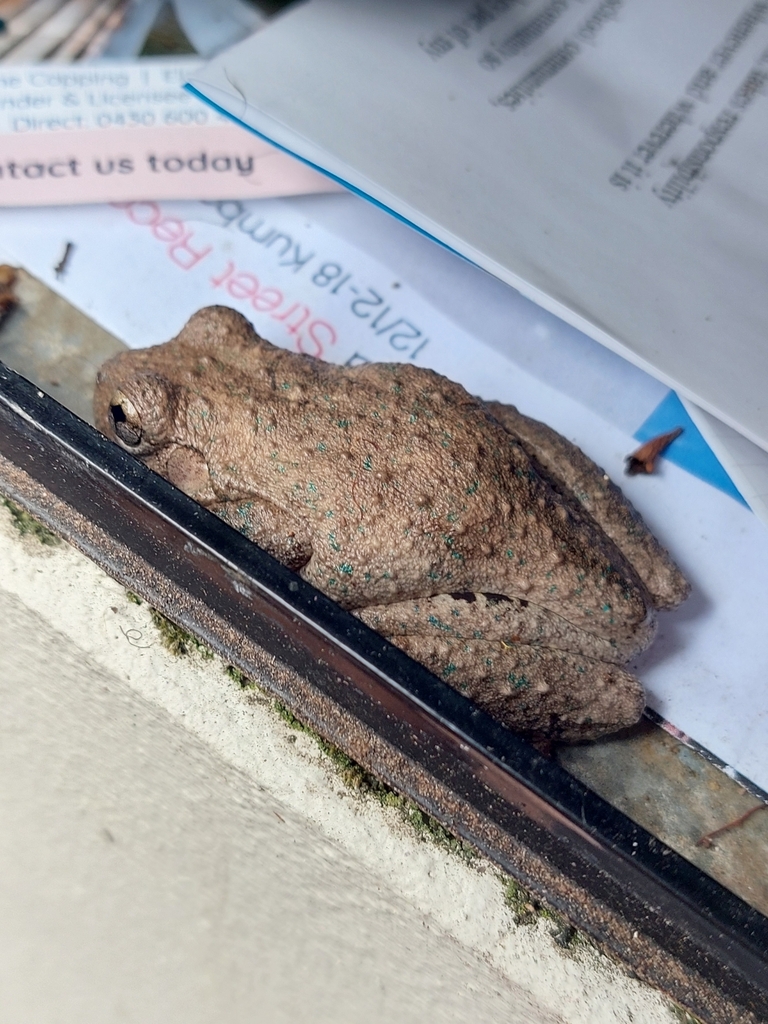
{"points": [[173, 850]]}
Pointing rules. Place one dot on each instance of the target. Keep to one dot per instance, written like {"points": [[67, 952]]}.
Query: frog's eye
{"points": [[125, 419]]}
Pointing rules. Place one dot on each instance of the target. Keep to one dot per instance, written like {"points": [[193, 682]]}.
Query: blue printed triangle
{"points": [[689, 451]]}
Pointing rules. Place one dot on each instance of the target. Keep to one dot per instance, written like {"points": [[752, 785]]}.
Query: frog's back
{"points": [[405, 484]]}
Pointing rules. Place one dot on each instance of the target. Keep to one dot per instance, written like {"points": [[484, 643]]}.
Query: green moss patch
{"points": [[28, 526], [527, 910], [363, 782], [177, 640], [239, 677], [685, 1016]]}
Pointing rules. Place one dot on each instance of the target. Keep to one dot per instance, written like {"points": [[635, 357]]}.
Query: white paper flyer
{"points": [[604, 157], [331, 276]]}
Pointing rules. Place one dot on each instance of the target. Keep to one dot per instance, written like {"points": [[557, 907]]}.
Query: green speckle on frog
{"points": [[479, 541]]}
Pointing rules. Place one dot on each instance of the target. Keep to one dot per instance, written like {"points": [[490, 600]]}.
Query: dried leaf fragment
{"points": [[7, 297], [644, 459]]}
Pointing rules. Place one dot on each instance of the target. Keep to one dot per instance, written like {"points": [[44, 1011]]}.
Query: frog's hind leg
{"points": [[529, 668], [270, 527], [574, 475], [541, 692], [497, 619]]}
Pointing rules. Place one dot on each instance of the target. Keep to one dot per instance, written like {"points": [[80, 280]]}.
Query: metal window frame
{"points": [[660, 915]]}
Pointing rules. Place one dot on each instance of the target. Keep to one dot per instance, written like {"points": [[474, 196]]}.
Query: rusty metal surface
{"points": [[680, 797], [659, 914]]}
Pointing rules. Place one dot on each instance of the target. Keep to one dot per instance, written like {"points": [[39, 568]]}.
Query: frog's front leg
{"points": [[272, 528]]}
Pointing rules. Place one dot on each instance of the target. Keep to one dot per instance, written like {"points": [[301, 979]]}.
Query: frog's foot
{"points": [[538, 691], [500, 620], [270, 527], [575, 476]]}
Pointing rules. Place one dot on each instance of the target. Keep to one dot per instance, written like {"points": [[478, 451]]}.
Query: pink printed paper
{"points": [[218, 161]]}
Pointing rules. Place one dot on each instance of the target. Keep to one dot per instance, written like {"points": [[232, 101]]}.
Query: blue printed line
{"points": [[326, 173]]}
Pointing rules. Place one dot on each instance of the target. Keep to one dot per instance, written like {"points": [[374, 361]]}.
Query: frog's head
{"points": [[160, 404], [148, 416], [134, 405], [139, 394]]}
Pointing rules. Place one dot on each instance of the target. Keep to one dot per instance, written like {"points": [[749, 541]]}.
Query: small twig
{"points": [[644, 459], [60, 268], [706, 840]]}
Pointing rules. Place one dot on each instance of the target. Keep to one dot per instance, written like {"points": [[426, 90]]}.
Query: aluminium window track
{"points": [[666, 920]]}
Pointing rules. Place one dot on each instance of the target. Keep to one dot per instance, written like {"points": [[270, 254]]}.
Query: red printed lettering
{"points": [[267, 300], [169, 229], [239, 284], [144, 214], [303, 317], [217, 282], [320, 334], [243, 286], [184, 256]]}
